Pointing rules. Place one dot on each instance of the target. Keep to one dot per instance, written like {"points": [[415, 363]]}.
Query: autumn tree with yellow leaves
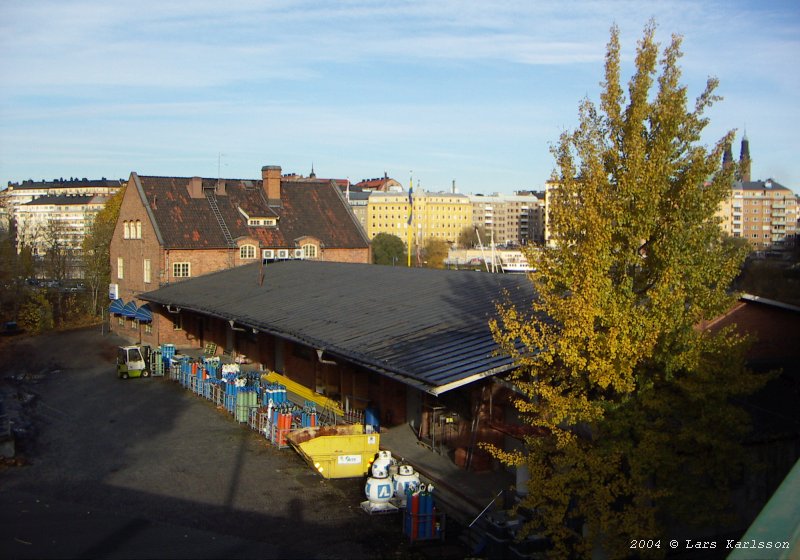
{"points": [[633, 399], [96, 247]]}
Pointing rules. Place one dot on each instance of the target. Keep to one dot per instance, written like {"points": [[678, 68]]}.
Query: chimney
{"points": [[195, 187], [271, 183]]}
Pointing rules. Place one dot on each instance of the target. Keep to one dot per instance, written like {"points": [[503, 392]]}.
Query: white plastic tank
{"points": [[381, 464], [405, 478], [378, 490]]}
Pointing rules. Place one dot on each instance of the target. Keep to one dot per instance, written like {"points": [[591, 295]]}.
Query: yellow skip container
{"points": [[342, 451]]}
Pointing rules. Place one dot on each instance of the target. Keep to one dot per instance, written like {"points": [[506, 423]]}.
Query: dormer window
{"points": [[259, 221]]}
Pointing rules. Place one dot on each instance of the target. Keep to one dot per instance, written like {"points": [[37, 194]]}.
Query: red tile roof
{"points": [[375, 184], [308, 208]]}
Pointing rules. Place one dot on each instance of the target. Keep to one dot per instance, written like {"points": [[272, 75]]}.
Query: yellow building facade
{"points": [[436, 215]]}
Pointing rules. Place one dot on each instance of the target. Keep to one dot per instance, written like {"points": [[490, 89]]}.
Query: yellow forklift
{"points": [[132, 361]]}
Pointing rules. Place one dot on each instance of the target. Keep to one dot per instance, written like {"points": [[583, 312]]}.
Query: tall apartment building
{"points": [[436, 215], [764, 213], [516, 219], [64, 219], [26, 191], [70, 201]]}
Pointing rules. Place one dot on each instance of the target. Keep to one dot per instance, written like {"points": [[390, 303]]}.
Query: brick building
{"points": [[172, 228]]}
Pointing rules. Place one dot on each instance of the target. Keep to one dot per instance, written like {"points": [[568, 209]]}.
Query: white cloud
{"points": [[446, 83]]}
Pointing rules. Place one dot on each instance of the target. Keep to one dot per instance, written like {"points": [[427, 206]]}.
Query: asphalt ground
{"points": [[142, 468]]}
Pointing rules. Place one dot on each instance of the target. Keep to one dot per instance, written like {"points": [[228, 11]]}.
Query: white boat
{"points": [[513, 261]]}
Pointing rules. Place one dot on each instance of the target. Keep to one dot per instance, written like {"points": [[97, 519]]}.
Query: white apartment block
{"points": [[63, 219], [59, 211], [516, 219]]}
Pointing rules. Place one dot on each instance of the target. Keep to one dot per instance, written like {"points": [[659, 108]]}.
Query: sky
{"points": [[474, 92]]}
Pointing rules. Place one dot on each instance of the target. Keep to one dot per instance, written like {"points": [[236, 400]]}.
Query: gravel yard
{"points": [[144, 468]]}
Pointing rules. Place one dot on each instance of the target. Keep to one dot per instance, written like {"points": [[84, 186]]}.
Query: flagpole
{"points": [[410, 216]]}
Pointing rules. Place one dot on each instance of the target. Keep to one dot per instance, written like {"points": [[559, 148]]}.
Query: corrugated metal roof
{"points": [[427, 328]]}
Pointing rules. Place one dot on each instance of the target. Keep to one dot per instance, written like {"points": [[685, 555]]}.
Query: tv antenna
{"points": [[219, 165]]}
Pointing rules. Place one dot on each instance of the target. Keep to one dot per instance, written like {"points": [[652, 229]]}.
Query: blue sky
{"points": [[474, 92]]}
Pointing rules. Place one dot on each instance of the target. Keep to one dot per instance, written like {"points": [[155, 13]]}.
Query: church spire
{"points": [[727, 156], [744, 159]]}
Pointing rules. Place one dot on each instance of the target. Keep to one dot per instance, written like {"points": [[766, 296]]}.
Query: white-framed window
{"points": [[181, 270], [126, 230], [146, 271], [247, 252], [120, 268], [138, 229], [309, 251], [121, 320], [177, 322], [269, 222], [148, 328]]}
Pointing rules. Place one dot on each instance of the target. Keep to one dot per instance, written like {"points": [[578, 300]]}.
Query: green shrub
{"points": [[36, 313]]}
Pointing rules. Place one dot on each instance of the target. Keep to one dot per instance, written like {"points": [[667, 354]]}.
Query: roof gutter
{"points": [[471, 379]]}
